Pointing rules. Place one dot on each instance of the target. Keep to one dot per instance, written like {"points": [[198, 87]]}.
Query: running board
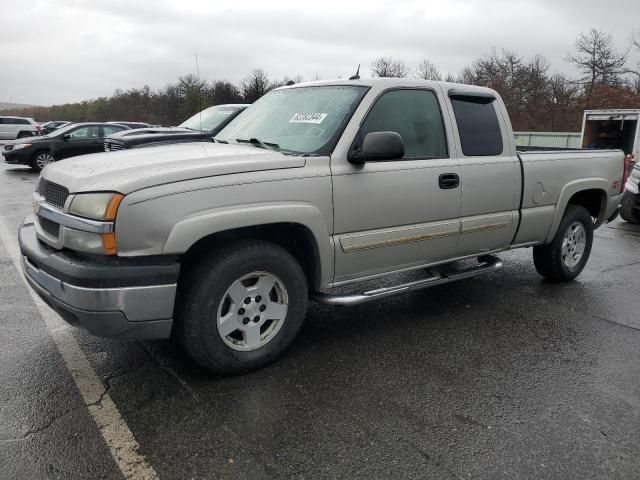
{"points": [[488, 264]]}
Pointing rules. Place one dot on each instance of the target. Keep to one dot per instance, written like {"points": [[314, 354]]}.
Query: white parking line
{"points": [[111, 425]]}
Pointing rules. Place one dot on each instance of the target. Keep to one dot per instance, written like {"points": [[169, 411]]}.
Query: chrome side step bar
{"points": [[488, 263]]}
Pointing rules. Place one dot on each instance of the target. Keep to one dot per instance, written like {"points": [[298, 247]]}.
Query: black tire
{"points": [[35, 163], [24, 135], [630, 208], [548, 259], [204, 287]]}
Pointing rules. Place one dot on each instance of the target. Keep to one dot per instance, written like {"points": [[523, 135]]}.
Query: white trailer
{"points": [[616, 128]]}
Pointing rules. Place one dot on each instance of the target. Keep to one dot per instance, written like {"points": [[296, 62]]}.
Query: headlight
{"points": [[96, 206], [18, 146]]}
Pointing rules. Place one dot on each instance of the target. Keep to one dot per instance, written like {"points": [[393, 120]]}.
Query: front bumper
{"points": [[22, 156], [110, 297]]}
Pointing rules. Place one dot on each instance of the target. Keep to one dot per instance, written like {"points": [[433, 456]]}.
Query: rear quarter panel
{"points": [[552, 178]]}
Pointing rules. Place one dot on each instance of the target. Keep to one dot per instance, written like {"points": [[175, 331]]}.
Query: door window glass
{"points": [[478, 126], [85, 132], [415, 116]]}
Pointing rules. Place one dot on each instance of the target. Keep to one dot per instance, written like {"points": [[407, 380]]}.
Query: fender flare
{"points": [[197, 226], [568, 191]]}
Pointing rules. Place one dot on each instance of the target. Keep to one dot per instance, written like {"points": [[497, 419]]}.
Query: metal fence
{"points": [[548, 139]]}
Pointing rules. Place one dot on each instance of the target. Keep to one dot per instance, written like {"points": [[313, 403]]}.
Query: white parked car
{"points": [[17, 127]]}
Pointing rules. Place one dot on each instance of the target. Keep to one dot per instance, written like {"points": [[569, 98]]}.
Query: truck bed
{"points": [[551, 177]]}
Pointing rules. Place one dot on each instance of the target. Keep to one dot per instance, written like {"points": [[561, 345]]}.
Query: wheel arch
{"points": [[589, 193], [298, 228]]}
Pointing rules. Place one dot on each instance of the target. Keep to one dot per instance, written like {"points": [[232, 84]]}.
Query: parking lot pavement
{"points": [[504, 376]]}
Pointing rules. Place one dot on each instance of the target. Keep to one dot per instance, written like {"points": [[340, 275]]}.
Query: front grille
{"points": [[50, 228], [116, 146], [53, 193]]}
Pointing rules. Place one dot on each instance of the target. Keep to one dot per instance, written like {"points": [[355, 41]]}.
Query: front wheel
{"points": [[240, 308], [565, 257], [42, 159]]}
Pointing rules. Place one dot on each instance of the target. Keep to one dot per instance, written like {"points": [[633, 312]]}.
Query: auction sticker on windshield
{"points": [[308, 118]]}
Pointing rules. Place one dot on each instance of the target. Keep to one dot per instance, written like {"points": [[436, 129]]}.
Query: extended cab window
{"points": [[478, 126], [415, 116]]}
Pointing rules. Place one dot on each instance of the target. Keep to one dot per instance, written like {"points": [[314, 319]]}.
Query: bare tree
{"points": [[255, 85], [388, 67], [428, 71], [597, 58], [634, 82], [450, 77], [224, 92], [564, 103]]}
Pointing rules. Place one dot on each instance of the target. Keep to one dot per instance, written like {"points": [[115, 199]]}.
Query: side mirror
{"points": [[66, 136], [379, 147]]}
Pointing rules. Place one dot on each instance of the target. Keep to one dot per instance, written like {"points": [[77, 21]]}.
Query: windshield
{"points": [[208, 119], [61, 131], [305, 120]]}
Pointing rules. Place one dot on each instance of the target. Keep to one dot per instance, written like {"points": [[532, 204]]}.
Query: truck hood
{"points": [[130, 170]]}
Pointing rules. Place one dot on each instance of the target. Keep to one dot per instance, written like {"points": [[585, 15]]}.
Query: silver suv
{"points": [[17, 127]]}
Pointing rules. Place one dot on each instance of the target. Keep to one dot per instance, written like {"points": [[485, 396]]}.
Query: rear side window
{"points": [[14, 121], [415, 116], [478, 126], [111, 129]]}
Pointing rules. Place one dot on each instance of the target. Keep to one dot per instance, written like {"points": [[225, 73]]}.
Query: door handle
{"points": [[448, 180]]}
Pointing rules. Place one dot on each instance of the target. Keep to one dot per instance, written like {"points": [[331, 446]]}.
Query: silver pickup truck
{"points": [[314, 186]]}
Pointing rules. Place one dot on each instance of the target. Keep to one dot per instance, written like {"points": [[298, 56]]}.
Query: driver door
{"points": [[400, 214], [81, 141]]}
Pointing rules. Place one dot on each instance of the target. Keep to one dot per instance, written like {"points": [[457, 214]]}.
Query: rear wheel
{"points": [[240, 308], [630, 208], [41, 159], [565, 257]]}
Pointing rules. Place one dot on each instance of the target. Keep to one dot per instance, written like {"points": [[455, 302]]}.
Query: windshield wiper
{"points": [[258, 143]]}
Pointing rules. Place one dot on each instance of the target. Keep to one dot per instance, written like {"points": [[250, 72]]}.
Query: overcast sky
{"points": [[56, 51]]}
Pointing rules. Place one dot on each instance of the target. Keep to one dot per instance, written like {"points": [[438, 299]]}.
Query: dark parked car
{"points": [[199, 128], [69, 141], [48, 127]]}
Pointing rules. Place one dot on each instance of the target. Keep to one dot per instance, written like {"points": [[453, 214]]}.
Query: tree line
{"points": [[537, 98]]}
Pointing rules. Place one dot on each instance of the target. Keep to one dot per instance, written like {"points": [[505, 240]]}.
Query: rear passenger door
{"points": [[490, 171], [391, 215]]}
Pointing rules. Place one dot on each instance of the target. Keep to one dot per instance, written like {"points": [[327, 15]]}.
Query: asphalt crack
{"points": [[110, 378], [170, 371], [37, 431], [617, 267]]}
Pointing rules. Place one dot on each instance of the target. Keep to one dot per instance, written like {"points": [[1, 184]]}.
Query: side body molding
{"points": [[189, 230], [571, 189]]}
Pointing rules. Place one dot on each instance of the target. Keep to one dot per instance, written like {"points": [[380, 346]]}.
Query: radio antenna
{"points": [[357, 75], [199, 92]]}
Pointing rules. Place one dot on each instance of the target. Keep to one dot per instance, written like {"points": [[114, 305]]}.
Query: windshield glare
{"points": [[208, 119], [62, 130], [302, 120]]}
